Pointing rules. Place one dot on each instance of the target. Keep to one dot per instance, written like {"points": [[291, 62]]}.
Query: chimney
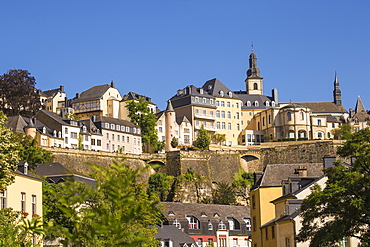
{"points": [[275, 95], [78, 95], [62, 89], [329, 161], [112, 84], [302, 171]]}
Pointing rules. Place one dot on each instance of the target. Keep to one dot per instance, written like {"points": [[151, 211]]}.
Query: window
{"points": [[228, 104], [229, 115], [222, 103], [249, 103], [254, 224], [222, 114], [267, 103], [237, 105], [66, 131], [204, 100], [217, 103], [210, 242], [256, 103], [229, 126], [113, 137], [118, 127], [237, 127], [118, 137], [98, 143], [112, 147], [107, 147], [86, 138], [233, 223], [107, 136], [289, 116], [204, 113], [210, 226], [255, 86], [247, 222], [196, 111], [287, 242], [218, 125], [319, 135], [66, 140], [272, 231], [267, 233], [127, 129], [23, 202], [199, 242], [319, 122], [211, 101], [217, 114], [33, 204], [3, 199], [193, 223], [273, 103], [211, 113], [128, 139], [197, 123], [196, 99], [160, 129], [223, 125], [237, 115], [159, 122], [221, 225], [222, 93], [302, 115]]}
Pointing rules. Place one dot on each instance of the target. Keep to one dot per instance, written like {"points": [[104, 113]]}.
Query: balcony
{"points": [[201, 116], [197, 127]]}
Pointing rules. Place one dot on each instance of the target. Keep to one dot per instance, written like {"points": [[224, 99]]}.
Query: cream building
{"points": [[51, 98]]}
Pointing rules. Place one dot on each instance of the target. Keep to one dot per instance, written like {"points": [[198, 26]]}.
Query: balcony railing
{"points": [[211, 117]]}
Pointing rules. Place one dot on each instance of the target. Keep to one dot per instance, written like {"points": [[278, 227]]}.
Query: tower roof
{"points": [[253, 71], [169, 106], [359, 106]]}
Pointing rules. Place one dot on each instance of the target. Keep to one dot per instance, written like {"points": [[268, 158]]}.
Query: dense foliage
{"points": [[160, 185], [140, 115], [341, 209], [9, 154], [174, 142], [218, 138], [18, 95], [117, 212], [203, 140], [225, 194], [343, 132]]}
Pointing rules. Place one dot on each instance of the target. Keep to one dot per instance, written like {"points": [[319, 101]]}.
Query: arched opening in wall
{"points": [[249, 163], [156, 164], [302, 134]]}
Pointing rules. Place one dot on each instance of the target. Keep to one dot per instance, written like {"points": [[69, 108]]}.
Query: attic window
{"points": [[216, 215], [230, 94], [177, 223], [249, 103], [256, 103], [112, 126], [118, 127], [127, 129], [222, 93], [203, 214], [221, 226], [43, 130], [267, 103], [273, 103], [171, 213], [201, 91], [209, 87]]}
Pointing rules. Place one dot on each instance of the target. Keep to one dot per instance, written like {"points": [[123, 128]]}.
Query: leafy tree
{"points": [[341, 209], [17, 231], [225, 194], [343, 132], [9, 154], [29, 150], [159, 146], [18, 95], [218, 138], [117, 212], [159, 185], [174, 142], [203, 140], [140, 115], [242, 183], [72, 116]]}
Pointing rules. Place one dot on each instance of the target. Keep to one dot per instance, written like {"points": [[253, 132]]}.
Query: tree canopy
{"points": [[117, 212], [341, 209], [203, 140], [225, 194], [343, 132], [140, 115], [18, 95], [9, 154]]}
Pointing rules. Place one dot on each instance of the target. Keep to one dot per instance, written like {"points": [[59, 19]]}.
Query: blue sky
{"points": [[157, 47]]}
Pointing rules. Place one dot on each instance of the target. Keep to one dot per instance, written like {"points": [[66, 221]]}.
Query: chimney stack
{"points": [[302, 171]]}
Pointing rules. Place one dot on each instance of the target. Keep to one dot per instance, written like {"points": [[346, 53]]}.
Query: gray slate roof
{"points": [[205, 212], [93, 93], [16, 124], [177, 236], [324, 107], [273, 174], [261, 99], [214, 86]]}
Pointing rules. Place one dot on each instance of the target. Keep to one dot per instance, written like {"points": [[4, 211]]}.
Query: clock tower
{"points": [[254, 80]]}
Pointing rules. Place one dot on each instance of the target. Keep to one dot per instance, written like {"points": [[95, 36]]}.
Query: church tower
{"points": [[337, 94], [170, 119], [254, 80]]}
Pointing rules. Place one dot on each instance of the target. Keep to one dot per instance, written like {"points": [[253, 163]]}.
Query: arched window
{"points": [[217, 114], [249, 103], [210, 226], [229, 114], [221, 225], [230, 94], [256, 103], [289, 116], [273, 103], [267, 103], [177, 223], [222, 93], [255, 86], [193, 222], [302, 115], [269, 119], [233, 223]]}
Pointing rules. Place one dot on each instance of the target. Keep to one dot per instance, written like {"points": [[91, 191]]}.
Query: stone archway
{"points": [[250, 163], [156, 164]]}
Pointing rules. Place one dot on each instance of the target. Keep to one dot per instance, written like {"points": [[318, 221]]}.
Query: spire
{"points": [[359, 106], [169, 106], [253, 71], [337, 94]]}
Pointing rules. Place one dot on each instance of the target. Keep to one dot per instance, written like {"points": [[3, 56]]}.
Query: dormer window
{"points": [[127, 129], [221, 225], [177, 223], [44, 130], [210, 226], [84, 129], [273, 103], [267, 103], [222, 93], [193, 222], [59, 134], [230, 94], [201, 91], [134, 129], [55, 133], [107, 125], [138, 131], [209, 87], [256, 103], [118, 127], [249, 103], [112, 126]]}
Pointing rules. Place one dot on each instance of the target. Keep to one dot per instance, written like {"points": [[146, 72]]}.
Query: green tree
{"points": [[341, 209], [218, 138], [174, 142], [29, 150], [18, 95], [225, 194], [17, 231], [242, 182], [343, 132], [160, 185], [140, 115], [117, 212], [9, 154], [203, 140]]}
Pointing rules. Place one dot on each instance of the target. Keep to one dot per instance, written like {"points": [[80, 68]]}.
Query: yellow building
{"points": [[268, 187], [25, 194]]}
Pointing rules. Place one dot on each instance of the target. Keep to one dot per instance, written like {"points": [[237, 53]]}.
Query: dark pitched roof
{"points": [[115, 121], [324, 107], [180, 120], [93, 93], [177, 236], [52, 92], [273, 174], [46, 116], [261, 99], [205, 212], [214, 87], [90, 126], [16, 124], [135, 96]]}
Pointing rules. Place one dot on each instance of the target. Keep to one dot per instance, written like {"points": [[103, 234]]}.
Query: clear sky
{"points": [[156, 47]]}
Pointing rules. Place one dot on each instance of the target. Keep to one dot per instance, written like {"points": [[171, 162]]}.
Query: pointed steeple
{"points": [[253, 71], [359, 106], [169, 106], [337, 94]]}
